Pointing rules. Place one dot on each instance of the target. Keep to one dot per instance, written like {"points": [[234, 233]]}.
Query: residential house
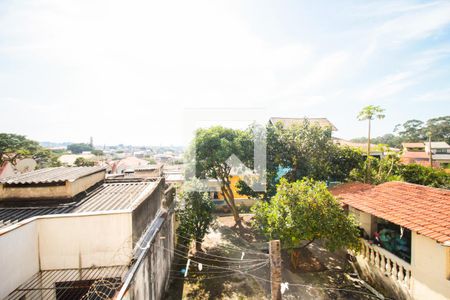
{"points": [[440, 153], [69, 233], [415, 153], [405, 230], [419, 153]]}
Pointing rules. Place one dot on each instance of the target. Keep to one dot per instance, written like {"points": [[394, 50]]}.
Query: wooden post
{"points": [[275, 269]]}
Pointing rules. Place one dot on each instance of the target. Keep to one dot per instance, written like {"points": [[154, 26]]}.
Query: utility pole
{"points": [[429, 148], [275, 269]]}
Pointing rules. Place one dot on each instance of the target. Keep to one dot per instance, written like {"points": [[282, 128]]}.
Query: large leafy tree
{"points": [[439, 128], [369, 113], [303, 150], [14, 147], [411, 131], [212, 147], [194, 212], [302, 212]]}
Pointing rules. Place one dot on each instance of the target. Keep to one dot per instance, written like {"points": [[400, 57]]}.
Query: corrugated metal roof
{"points": [[52, 175], [322, 122], [85, 283], [111, 195], [115, 196]]}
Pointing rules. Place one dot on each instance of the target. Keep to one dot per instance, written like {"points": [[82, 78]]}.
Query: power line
{"points": [[290, 284]]}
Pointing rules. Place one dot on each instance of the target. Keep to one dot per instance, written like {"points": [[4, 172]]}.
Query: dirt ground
{"points": [[224, 275]]}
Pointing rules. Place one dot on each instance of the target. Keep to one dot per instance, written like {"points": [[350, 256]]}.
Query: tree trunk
{"points": [[229, 197], [368, 156], [198, 246]]}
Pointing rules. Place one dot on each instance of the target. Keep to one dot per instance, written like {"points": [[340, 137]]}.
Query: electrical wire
{"points": [[235, 248], [290, 284], [224, 257]]}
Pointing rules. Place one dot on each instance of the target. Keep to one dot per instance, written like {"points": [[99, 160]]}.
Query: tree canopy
{"points": [[304, 211], [414, 131], [194, 213], [14, 147], [304, 150], [211, 148], [83, 162], [79, 148]]}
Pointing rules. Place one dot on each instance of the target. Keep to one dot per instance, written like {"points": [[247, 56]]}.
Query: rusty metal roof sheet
{"points": [[52, 175]]}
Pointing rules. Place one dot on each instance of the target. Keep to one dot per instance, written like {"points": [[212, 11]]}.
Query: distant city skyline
{"points": [[125, 73]]}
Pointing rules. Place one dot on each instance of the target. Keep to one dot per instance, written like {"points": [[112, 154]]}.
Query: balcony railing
{"points": [[392, 266]]}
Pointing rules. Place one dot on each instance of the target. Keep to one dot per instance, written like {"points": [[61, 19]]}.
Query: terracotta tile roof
{"points": [[411, 154], [349, 187], [413, 145], [422, 209]]}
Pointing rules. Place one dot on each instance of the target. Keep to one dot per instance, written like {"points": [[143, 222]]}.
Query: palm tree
{"points": [[369, 113]]}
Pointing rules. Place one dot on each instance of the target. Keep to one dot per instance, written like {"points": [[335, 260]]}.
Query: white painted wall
{"points": [[61, 242], [366, 221], [429, 267], [18, 257], [85, 241]]}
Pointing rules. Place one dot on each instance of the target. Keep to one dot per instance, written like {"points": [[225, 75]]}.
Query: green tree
{"points": [[382, 170], [389, 139], [194, 213], [303, 150], [211, 149], [82, 162], [14, 147], [369, 113], [439, 128], [97, 152], [302, 212], [418, 174], [411, 131], [79, 148]]}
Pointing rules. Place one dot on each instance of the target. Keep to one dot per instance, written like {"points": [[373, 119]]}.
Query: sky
{"points": [[141, 72]]}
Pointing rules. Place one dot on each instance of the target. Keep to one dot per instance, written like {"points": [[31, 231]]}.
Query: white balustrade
{"points": [[391, 265]]}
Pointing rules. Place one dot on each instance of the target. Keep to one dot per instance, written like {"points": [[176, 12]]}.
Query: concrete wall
{"points": [[82, 184], [56, 191], [34, 192], [430, 269], [18, 257], [146, 211], [151, 278], [381, 280], [366, 221], [61, 242], [84, 241]]}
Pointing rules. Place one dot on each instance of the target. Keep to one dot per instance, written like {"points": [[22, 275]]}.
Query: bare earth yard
{"points": [[225, 276]]}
